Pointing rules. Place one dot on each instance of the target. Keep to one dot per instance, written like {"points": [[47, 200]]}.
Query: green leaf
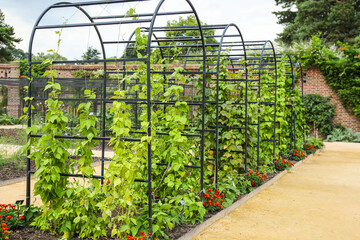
{"points": [[124, 228]]}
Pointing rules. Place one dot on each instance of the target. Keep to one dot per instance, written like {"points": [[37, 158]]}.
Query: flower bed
{"points": [[18, 228]]}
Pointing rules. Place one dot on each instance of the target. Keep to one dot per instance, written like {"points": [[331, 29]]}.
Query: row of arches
{"points": [[219, 72]]}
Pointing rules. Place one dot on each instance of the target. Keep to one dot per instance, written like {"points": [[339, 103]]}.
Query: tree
{"points": [[41, 56], [19, 54], [7, 40], [336, 20], [91, 54], [185, 22]]}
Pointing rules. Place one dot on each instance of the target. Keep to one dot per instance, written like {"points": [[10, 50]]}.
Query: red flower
{"points": [[21, 217], [149, 233], [204, 203], [221, 207], [22, 76], [209, 190], [359, 55], [8, 217], [342, 48], [107, 182]]}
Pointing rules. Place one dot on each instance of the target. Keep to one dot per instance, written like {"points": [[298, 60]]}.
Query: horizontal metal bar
{"points": [[96, 60], [187, 166], [94, 3], [234, 151], [81, 137], [141, 180], [184, 28], [143, 15], [91, 24], [234, 80], [228, 127], [74, 175]]}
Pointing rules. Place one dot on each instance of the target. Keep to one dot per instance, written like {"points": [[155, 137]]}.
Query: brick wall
{"points": [[10, 71], [315, 83], [13, 107], [5, 70]]}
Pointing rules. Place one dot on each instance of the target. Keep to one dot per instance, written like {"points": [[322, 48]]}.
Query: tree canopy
{"points": [[7, 40], [336, 20], [91, 54]]}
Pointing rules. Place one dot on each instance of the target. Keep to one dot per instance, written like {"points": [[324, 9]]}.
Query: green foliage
{"points": [[336, 20], [17, 157], [343, 135], [339, 64], [37, 70], [319, 111], [297, 155], [4, 99], [9, 120], [7, 40], [255, 178], [17, 138], [316, 142], [282, 165], [91, 54], [120, 206]]}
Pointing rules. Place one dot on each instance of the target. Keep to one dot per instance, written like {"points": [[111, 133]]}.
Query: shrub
{"points": [[316, 142], [343, 135], [13, 217], [9, 120], [255, 178], [214, 200], [320, 111], [297, 155], [339, 64], [283, 164], [309, 149]]}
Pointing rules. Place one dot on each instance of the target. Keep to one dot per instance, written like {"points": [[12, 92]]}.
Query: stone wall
{"points": [[316, 84]]}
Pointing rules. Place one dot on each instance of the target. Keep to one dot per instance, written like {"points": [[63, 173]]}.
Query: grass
{"points": [[20, 138], [17, 157]]}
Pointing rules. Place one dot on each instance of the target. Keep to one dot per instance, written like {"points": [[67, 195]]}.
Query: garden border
{"points": [[221, 214]]}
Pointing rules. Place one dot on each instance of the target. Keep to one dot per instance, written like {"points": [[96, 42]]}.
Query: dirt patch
{"points": [[13, 136]]}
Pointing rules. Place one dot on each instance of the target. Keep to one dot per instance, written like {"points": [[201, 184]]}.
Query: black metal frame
{"points": [[298, 69], [260, 54], [226, 42], [289, 73], [151, 29]]}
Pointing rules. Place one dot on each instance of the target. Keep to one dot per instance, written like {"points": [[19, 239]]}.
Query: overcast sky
{"points": [[253, 17]]}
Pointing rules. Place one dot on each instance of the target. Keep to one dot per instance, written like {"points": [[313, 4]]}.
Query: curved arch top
{"points": [[56, 5]]}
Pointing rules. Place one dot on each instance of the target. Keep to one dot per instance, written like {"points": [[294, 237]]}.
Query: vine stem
{"points": [[162, 178]]}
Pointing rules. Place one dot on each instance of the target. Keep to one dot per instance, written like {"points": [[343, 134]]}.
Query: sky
{"points": [[253, 17]]}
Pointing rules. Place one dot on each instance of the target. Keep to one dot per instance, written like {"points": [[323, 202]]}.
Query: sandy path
{"points": [[319, 199]]}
